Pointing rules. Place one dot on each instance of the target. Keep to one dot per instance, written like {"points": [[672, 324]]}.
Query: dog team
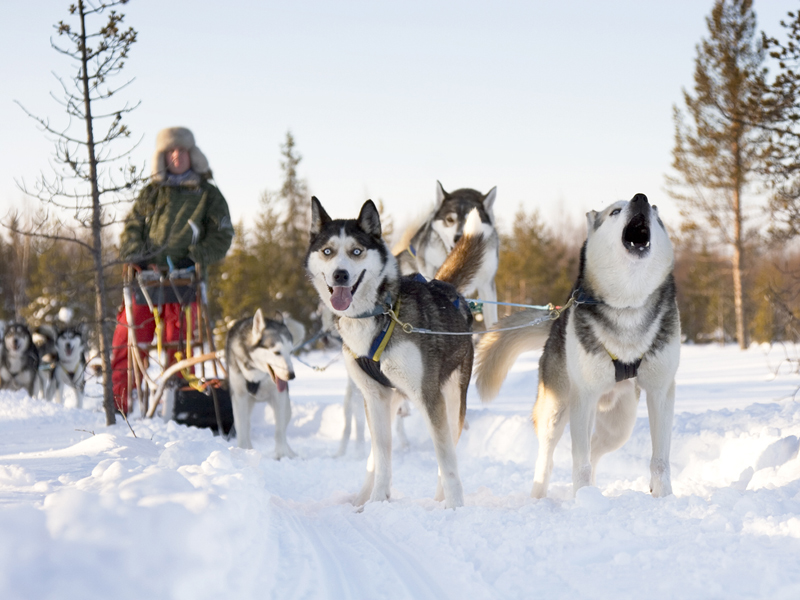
{"points": [[406, 333], [406, 329]]}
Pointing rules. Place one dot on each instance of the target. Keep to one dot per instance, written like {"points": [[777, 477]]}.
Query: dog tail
{"points": [[463, 263], [498, 350]]}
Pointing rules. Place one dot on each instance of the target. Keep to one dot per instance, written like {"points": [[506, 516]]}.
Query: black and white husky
{"points": [[621, 334], [70, 367], [359, 280], [258, 355], [19, 360], [427, 250]]}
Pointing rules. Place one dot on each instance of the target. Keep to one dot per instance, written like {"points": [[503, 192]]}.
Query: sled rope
{"points": [[552, 315]]}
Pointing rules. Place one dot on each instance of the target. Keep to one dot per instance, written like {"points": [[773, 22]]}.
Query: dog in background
{"points": [[618, 333], [19, 360], [428, 248], [70, 367], [258, 355]]}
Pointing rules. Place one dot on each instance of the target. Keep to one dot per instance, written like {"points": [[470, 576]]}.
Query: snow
{"points": [[88, 511]]}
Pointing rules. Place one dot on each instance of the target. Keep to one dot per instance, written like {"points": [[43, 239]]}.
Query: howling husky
{"points": [[258, 355], [358, 279], [427, 250], [619, 332]]}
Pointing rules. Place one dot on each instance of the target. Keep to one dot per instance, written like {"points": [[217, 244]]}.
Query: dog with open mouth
{"points": [[376, 312], [618, 333], [258, 357]]}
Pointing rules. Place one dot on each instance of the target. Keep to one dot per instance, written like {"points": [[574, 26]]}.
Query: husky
{"points": [[358, 279], [70, 366], [19, 360], [258, 355], [618, 333], [428, 248], [44, 337]]}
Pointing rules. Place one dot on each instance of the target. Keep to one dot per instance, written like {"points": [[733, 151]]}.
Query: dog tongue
{"points": [[282, 385], [341, 298]]}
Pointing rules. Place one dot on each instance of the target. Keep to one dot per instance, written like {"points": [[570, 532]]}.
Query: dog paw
{"points": [[660, 480], [285, 453]]}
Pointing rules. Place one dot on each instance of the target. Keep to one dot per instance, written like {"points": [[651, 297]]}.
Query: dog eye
{"points": [[357, 251], [327, 251], [616, 211]]}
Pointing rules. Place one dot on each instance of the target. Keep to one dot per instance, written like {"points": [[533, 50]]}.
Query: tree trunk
{"points": [[738, 251], [101, 308]]}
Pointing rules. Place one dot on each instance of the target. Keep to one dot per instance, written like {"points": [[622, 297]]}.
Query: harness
{"points": [[371, 363], [622, 370]]}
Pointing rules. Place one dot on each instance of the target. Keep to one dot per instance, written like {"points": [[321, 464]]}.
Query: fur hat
{"points": [[178, 137]]}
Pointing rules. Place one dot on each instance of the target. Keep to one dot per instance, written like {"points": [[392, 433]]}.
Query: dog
{"points": [[428, 248], [70, 366], [618, 333], [359, 280], [19, 360], [44, 337], [258, 356]]}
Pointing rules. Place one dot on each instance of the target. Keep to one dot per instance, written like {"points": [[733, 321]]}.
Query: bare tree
{"points": [[90, 173], [718, 153]]}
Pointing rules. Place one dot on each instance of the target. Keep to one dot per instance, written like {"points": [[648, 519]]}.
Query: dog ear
{"points": [[369, 220], [591, 222], [488, 201], [258, 325], [319, 218], [278, 316], [440, 194]]}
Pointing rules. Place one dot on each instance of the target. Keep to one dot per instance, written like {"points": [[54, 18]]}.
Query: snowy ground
{"points": [[92, 512]]}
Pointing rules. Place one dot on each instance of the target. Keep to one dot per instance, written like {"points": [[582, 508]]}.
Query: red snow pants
{"points": [[173, 324]]}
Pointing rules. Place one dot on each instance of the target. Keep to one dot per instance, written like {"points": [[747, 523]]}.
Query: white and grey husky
{"points": [[428, 248], [258, 356], [619, 333], [358, 279], [19, 360], [70, 366]]}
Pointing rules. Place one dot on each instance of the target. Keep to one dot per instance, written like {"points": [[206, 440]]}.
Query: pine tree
{"points": [[717, 154]]}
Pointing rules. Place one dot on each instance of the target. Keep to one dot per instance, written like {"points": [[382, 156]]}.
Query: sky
{"points": [[564, 106]]}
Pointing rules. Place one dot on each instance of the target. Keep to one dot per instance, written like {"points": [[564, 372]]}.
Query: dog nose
{"points": [[639, 198], [456, 238], [291, 375], [341, 277]]}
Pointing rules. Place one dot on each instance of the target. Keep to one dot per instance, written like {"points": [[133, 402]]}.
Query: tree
{"points": [[782, 166], [88, 180], [718, 153]]}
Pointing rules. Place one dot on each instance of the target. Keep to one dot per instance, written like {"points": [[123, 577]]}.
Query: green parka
{"points": [[161, 221]]}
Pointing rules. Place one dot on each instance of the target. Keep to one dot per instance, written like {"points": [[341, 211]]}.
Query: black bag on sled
{"points": [[197, 408]]}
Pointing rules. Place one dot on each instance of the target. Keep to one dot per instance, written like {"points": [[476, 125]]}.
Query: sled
{"points": [[190, 385]]}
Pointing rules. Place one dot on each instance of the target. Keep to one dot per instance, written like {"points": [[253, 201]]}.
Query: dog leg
{"points": [[348, 417], [616, 416], [400, 411], [242, 408], [360, 419], [660, 411], [550, 417], [582, 411], [455, 397], [283, 415], [379, 418], [489, 292], [449, 484], [369, 482]]}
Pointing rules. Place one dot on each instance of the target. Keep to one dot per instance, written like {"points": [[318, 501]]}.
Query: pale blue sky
{"points": [[564, 106]]}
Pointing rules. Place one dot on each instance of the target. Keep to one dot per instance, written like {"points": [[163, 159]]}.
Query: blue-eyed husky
{"points": [[258, 356], [70, 366], [622, 333], [358, 279]]}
